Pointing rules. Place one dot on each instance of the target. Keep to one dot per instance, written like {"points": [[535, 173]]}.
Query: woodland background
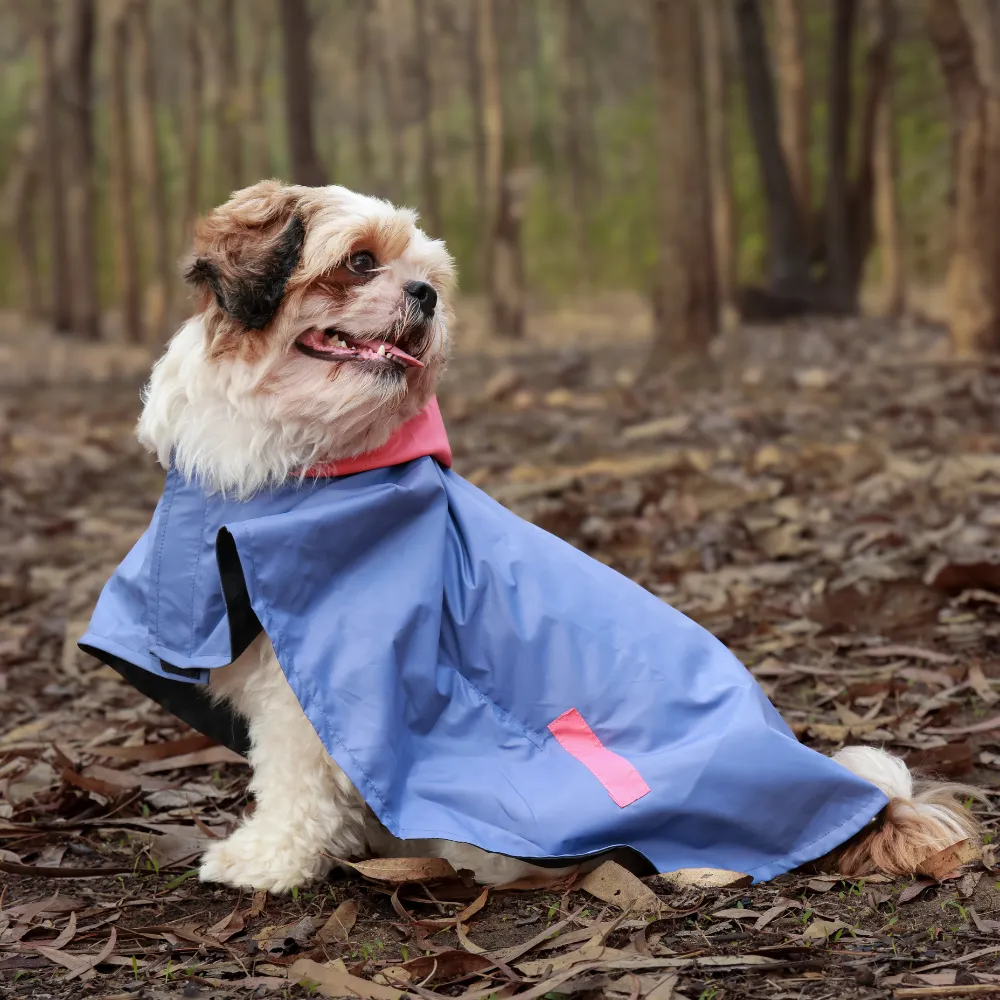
{"points": [[729, 324], [723, 158]]}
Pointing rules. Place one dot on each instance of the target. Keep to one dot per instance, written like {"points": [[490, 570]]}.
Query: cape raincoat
{"points": [[478, 679]]}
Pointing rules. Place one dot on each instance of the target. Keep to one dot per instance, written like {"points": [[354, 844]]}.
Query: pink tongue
{"points": [[318, 341], [391, 349]]}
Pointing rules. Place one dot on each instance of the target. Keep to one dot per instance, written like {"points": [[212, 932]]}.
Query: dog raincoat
{"points": [[478, 679]]}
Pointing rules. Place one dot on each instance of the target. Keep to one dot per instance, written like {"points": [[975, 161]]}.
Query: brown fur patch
{"points": [[233, 265]]}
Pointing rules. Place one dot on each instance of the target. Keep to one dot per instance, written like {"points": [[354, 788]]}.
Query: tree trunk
{"points": [[388, 54], [478, 127], [80, 194], [371, 179], [793, 98], [885, 164], [157, 231], [424, 86], [230, 132], [256, 104], [688, 310], [840, 250], [122, 181], [306, 165], [724, 235], [788, 255], [18, 210], [504, 264], [52, 165], [574, 115], [193, 120], [966, 35]]}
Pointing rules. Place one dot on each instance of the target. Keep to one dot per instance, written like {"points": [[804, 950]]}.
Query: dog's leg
{"points": [[305, 805]]}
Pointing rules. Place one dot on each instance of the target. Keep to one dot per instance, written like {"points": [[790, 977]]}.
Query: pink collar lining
{"points": [[421, 435]]}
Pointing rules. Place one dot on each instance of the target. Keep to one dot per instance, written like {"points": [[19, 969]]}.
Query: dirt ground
{"points": [[827, 503]]}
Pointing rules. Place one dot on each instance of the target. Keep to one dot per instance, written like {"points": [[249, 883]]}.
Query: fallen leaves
{"points": [[614, 884]]}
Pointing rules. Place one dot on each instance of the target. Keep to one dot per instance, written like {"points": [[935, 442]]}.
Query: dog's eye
{"points": [[362, 262]]}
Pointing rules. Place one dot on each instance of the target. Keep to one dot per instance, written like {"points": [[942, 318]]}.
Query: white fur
{"points": [[892, 776]]}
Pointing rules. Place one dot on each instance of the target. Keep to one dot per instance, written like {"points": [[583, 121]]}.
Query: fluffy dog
{"points": [[321, 327]]}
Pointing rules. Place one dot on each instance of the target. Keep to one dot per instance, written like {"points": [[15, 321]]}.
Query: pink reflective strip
{"points": [[623, 782]]}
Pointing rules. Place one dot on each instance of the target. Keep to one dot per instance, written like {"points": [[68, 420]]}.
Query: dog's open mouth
{"points": [[333, 345]]}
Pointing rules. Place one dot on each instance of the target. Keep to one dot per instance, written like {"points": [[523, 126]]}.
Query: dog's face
{"points": [[323, 326]]}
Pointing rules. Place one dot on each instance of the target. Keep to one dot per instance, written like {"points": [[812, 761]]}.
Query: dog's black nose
{"points": [[424, 294]]}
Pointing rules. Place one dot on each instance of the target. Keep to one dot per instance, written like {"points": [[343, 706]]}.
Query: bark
{"points": [[793, 97], [18, 210], [54, 169], [576, 148], [193, 119], [122, 180], [478, 124], [387, 49], [364, 75], [724, 233], [503, 197], [80, 193], [688, 311], [424, 88], [157, 232], [306, 167], [788, 255], [966, 35], [230, 131], [841, 256], [259, 164], [885, 164]]}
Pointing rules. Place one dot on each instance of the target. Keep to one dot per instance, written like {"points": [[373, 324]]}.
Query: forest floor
{"points": [[829, 507]]}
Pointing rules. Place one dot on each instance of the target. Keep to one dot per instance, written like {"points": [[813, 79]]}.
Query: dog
{"points": [[321, 329]]}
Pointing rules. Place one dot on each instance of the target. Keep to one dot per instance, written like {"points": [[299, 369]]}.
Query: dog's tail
{"points": [[921, 818]]}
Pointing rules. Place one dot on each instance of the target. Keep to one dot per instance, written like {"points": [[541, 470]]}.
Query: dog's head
{"points": [[322, 326]]}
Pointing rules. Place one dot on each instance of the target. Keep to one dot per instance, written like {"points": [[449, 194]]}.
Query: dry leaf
{"points": [[399, 870], [707, 878], [946, 864], [977, 679], [614, 884], [332, 982], [339, 924]]}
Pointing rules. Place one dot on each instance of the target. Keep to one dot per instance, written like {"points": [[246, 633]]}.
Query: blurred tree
{"points": [[122, 180], [840, 258], [157, 231], [475, 81], [424, 92], [80, 194], [714, 19], [504, 267], [18, 209], [193, 121], [306, 167], [793, 97], [685, 287], [363, 79], [882, 16], [229, 109], [53, 166], [788, 261], [966, 34], [390, 74], [262, 19], [576, 126]]}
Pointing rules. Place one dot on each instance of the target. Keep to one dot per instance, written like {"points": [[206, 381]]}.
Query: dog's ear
{"points": [[246, 250]]}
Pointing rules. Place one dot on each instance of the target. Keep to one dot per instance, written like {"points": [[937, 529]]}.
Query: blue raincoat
{"points": [[478, 679]]}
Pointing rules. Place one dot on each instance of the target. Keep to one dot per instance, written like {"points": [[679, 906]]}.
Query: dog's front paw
{"points": [[260, 859]]}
